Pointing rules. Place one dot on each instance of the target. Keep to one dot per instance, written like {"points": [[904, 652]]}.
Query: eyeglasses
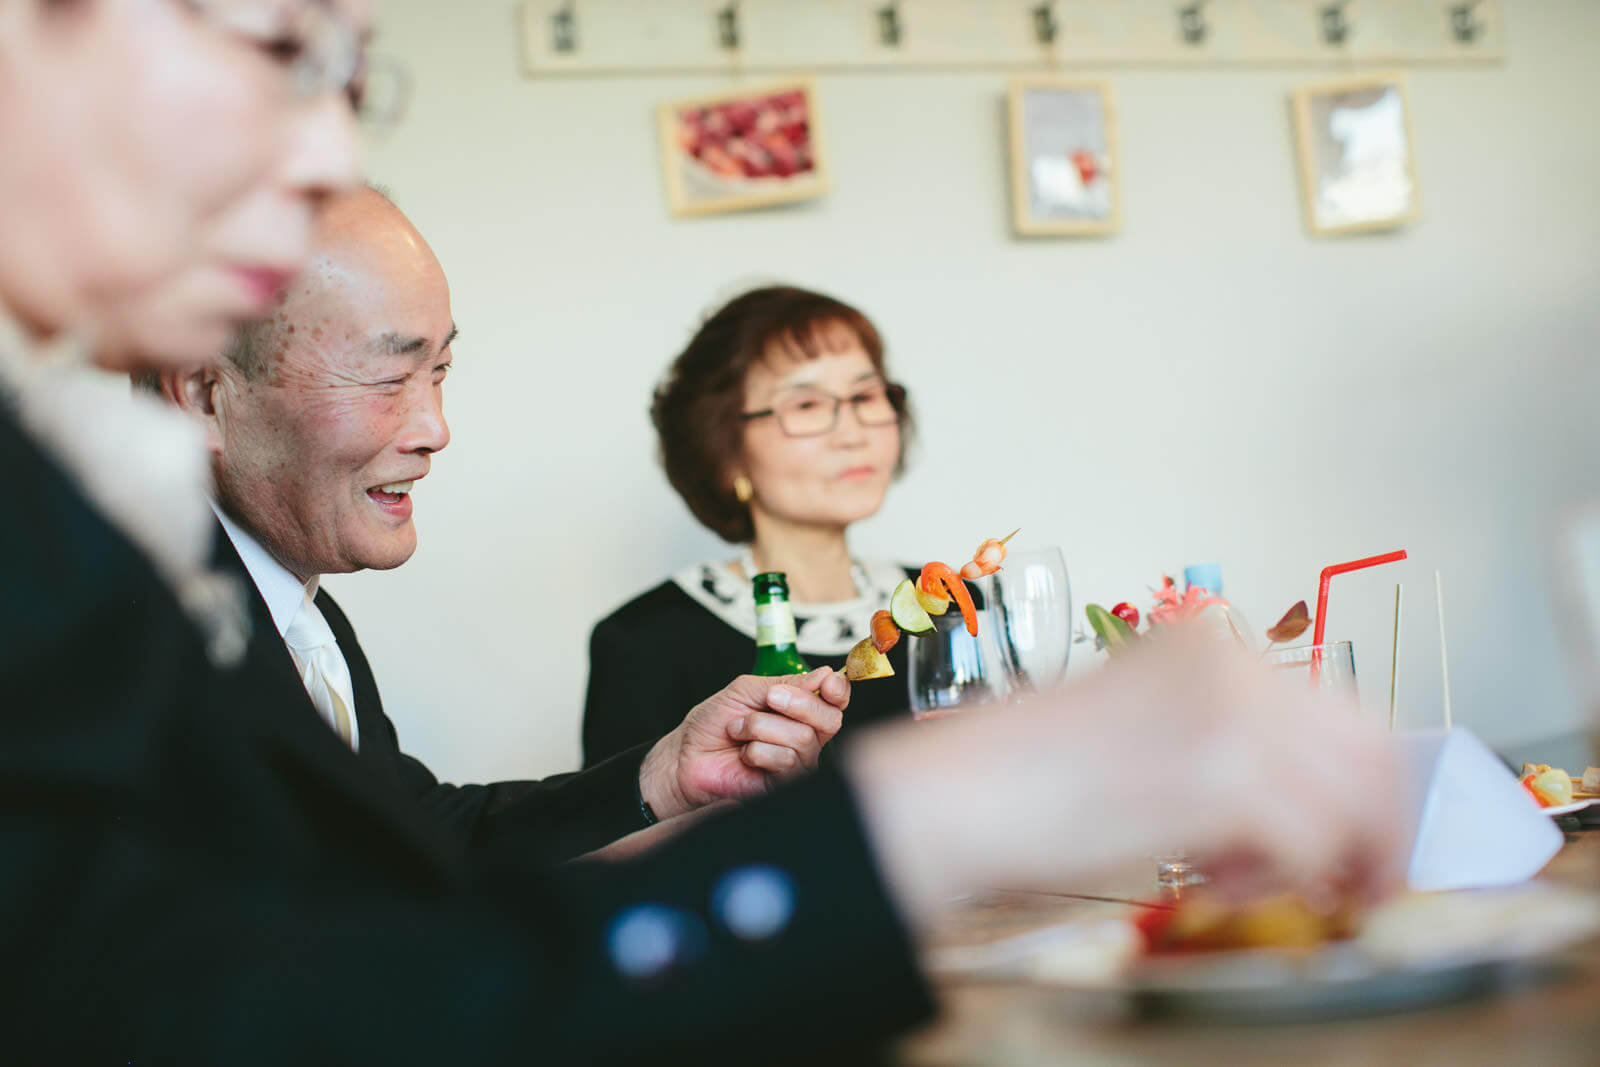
{"points": [[813, 413], [322, 53], [381, 93]]}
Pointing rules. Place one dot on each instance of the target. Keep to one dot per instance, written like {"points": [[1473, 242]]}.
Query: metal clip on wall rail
{"points": [[1045, 26], [1335, 25], [728, 26], [891, 31], [564, 31], [1464, 24]]}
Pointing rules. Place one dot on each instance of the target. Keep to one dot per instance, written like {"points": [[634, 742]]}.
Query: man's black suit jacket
{"points": [[552, 819], [190, 875]]}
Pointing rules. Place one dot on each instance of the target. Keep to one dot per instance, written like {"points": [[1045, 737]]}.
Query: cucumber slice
{"points": [[907, 611], [1117, 635], [865, 662]]}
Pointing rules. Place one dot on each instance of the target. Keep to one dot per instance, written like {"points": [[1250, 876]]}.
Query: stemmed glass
{"points": [[1024, 638], [1336, 671], [1031, 609]]}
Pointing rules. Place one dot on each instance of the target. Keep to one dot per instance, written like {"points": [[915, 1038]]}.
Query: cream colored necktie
{"points": [[322, 668]]}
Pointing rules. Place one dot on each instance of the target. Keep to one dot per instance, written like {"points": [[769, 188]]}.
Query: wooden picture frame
{"points": [[1066, 168], [749, 147], [1353, 138]]}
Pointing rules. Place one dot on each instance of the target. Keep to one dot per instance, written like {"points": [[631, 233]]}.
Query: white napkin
{"points": [[1473, 825]]}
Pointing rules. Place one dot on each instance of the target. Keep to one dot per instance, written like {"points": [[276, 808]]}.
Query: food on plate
{"points": [[1295, 621], [1206, 922], [1172, 606], [1114, 632], [1590, 783], [1550, 786]]}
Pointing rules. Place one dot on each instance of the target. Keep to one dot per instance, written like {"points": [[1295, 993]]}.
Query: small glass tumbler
{"points": [[1331, 665], [950, 670], [1175, 874]]}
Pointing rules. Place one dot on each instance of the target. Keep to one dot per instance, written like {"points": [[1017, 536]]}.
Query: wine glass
{"points": [[1031, 608], [950, 669]]}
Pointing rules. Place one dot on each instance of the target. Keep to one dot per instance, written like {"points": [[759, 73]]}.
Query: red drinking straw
{"points": [[1322, 600]]}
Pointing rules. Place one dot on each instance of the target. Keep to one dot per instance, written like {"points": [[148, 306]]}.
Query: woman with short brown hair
{"points": [[780, 427]]}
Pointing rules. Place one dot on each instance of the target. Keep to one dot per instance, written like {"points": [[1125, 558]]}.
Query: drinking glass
{"points": [[1031, 606], [950, 669], [1337, 669], [1174, 874]]}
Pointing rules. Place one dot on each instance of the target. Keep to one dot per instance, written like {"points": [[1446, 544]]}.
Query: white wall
{"points": [[1210, 383]]}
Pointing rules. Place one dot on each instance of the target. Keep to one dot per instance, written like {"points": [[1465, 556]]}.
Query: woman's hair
{"points": [[698, 407]]}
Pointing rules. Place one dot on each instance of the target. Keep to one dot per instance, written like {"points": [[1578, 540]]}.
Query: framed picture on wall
{"points": [[1065, 176], [743, 148], [1356, 166]]}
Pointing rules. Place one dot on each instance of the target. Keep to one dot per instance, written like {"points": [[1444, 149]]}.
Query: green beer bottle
{"points": [[775, 648]]}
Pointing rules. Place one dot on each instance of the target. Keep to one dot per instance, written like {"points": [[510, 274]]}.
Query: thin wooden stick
{"points": [[1394, 662], [1444, 655]]}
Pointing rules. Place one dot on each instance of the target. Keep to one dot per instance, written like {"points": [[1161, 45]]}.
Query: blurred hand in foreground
{"points": [[1186, 744]]}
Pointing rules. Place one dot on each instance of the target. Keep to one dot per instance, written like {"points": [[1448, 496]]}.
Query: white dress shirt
{"points": [[290, 602]]}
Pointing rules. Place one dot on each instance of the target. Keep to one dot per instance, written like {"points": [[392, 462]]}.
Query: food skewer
{"points": [[913, 604], [1394, 660], [1444, 655]]}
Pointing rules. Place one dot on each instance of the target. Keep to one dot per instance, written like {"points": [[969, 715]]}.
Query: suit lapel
{"points": [[379, 747], [281, 713]]}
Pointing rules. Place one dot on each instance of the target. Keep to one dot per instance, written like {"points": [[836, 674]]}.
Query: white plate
{"points": [[1568, 809], [1415, 950]]}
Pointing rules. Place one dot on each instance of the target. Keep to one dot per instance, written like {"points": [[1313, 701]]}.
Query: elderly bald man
{"points": [[320, 422]]}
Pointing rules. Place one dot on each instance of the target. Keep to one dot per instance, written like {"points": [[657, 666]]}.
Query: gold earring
{"points": [[743, 489]]}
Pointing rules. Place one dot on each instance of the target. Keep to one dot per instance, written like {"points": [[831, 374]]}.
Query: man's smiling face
{"points": [[319, 448]]}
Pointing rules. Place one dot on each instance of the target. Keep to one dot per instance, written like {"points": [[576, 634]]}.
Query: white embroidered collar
{"points": [[822, 629], [139, 462]]}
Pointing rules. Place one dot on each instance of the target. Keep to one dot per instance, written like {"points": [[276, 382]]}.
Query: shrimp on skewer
{"points": [[937, 574], [988, 557]]}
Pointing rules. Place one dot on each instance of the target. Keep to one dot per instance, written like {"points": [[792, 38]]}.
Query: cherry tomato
{"points": [[1128, 614]]}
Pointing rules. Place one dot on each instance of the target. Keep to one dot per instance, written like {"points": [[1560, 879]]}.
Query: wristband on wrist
{"points": [[646, 812]]}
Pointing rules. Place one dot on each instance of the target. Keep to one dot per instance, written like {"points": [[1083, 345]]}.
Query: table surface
{"points": [[1554, 1009]]}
